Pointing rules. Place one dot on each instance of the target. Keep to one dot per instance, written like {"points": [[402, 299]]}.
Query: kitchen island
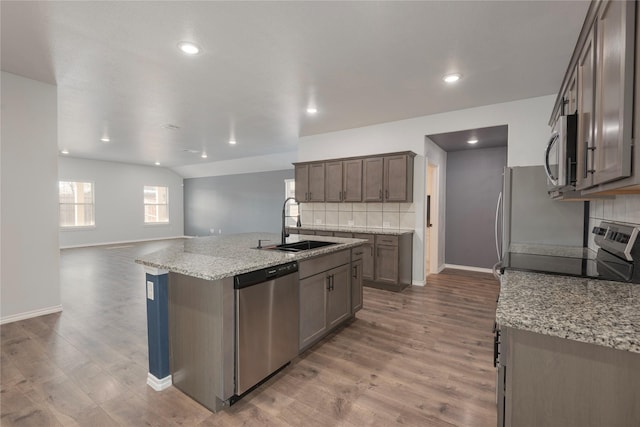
{"points": [[192, 313], [568, 351]]}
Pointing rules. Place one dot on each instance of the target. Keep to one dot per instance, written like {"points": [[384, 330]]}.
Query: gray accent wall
{"points": [[474, 180], [234, 203]]}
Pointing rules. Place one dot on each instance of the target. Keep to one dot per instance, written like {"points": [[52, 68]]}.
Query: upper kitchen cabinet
{"points": [[310, 182], [343, 181], [614, 90], [388, 178], [380, 178], [602, 70]]}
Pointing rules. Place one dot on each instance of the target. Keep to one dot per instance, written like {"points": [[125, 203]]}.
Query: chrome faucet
{"points": [[284, 216]]}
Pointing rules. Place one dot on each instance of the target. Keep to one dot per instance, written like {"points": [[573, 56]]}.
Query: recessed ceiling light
{"points": [[189, 48], [452, 78], [157, 163], [312, 110], [204, 155], [472, 141], [232, 141], [65, 151], [105, 139]]}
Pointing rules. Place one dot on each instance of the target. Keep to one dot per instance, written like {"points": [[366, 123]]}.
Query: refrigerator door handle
{"points": [[498, 248]]}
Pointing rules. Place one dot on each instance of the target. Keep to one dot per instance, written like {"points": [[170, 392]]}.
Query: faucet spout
{"points": [[284, 216]]}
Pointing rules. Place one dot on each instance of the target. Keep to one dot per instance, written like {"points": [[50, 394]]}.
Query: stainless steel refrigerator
{"points": [[525, 214]]}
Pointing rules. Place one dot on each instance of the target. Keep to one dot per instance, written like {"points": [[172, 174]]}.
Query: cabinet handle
{"points": [[329, 283], [310, 195], [344, 195], [386, 194], [357, 253], [355, 271], [380, 197], [340, 195]]}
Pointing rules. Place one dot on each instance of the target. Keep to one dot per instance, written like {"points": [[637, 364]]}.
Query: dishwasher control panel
{"points": [[254, 277]]}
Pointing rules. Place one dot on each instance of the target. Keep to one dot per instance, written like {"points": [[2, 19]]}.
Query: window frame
{"points": [[145, 204], [92, 204]]}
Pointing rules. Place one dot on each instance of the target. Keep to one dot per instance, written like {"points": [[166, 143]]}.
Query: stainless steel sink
{"points": [[304, 245]]}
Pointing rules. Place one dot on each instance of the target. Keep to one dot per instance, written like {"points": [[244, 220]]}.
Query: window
{"points": [[77, 207], [156, 205], [292, 209]]}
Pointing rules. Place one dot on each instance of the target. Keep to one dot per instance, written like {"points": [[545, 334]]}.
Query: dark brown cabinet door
{"points": [[395, 179], [352, 186], [586, 90], [338, 298], [302, 182], [356, 285], [313, 309], [333, 182], [372, 179], [316, 182], [386, 264], [368, 255], [614, 99]]}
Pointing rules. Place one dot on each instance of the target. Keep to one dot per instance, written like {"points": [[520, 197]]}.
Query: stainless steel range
{"points": [[617, 258]]}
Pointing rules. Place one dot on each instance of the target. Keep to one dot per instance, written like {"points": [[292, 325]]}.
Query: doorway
{"points": [[432, 220]]}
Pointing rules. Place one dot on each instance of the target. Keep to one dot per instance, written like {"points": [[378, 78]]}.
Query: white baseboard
{"points": [[441, 267], [158, 384], [31, 314], [417, 283], [465, 267], [121, 242]]}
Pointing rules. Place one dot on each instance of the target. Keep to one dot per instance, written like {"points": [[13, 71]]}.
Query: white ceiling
{"points": [[119, 72]]}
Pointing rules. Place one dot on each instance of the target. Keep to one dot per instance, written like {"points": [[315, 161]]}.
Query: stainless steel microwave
{"points": [[560, 154]]}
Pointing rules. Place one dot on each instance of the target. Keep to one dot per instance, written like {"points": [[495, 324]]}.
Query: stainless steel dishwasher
{"points": [[267, 312]]}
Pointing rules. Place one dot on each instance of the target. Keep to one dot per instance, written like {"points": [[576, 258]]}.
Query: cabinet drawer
{"points": [[324, 233], [317, 265], [386, 240]]}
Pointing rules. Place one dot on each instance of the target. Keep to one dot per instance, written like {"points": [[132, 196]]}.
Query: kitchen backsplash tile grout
{"points": [[376, 215]]}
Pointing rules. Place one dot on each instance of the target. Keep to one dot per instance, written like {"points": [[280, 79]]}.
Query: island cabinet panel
{"points": [[325, 295], [372, 182], [201, 338], [356, 279], [333, 181], [352, 185], [313, 309], [338, 295], [551, 381]]}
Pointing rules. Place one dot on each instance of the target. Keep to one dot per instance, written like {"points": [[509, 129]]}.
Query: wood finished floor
{"points": [[422, 357]]}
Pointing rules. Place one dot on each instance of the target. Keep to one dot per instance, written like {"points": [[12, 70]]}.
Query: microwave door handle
{"points": [[547, 152]]}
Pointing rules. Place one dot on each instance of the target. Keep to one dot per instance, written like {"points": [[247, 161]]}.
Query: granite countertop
{"points": [[562, 251], [353, 229], [587, 310], [218, 257]]}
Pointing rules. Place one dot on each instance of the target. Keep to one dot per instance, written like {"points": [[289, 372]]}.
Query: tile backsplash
{"points": [[623, 208], [374, 215]]}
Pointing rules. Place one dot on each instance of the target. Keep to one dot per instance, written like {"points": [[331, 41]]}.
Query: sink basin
{"points": [[304, 245]]}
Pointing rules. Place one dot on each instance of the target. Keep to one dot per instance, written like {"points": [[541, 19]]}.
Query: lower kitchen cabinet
{"points": [[367, 255], [386, 263], [325, 295], [392, 261], [551, 381], [356, 279]]}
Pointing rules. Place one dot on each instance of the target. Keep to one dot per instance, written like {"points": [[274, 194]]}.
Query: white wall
{"points": [[527, 135], [119, 208], [30, 283], [266, 163]]}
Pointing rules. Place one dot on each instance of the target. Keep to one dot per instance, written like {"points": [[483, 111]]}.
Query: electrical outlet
{"points": [[150, 290]]}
